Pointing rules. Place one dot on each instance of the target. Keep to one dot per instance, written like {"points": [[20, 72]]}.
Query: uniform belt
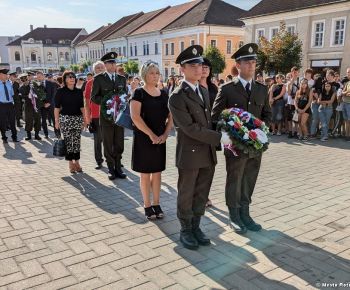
{"points": [[1, 103]]}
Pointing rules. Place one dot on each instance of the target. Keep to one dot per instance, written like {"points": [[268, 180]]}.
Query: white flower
{"points": [[109, 112], [230, 123], [246, 136], [109, 102], [123, 98], [261, 136]]}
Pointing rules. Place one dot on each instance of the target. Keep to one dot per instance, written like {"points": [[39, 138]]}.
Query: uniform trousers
{"points": [[113, 144], [242, 173], [32, 119], [193, 191], [7, 118]]}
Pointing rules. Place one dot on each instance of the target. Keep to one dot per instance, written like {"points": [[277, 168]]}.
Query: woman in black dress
{"points": [[303, 100], [153, 122]]}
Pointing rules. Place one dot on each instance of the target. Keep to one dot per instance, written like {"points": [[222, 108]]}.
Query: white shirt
{"points": [[194, 87], [110, 75], [244, 82]]}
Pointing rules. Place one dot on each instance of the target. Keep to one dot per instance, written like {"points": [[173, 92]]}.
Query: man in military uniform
{"points": [[31, 116], [7, 108], [195, 150], [112, 135], [16, 98], [242, 171]]}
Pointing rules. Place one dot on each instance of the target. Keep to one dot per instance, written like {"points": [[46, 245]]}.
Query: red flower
{"points": [[252, 135], [257, 123], [237, 125]]}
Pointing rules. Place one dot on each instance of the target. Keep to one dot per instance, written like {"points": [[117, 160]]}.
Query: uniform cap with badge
{"points": [[110, 57], [4, 71], [192, 54], [246, 52]]}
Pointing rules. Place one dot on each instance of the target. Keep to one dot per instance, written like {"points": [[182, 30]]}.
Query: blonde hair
{"points": [[146, 67]]}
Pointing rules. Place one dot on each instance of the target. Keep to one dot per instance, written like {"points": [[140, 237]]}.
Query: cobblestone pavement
{"points": [[82, 231]]}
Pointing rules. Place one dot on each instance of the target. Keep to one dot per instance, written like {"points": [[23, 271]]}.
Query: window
{"points": [[48, 41], [167, 49], [17, 56], [124, 50], [259, 33], [172, 48], [273, 31], [33, 56], [213, 43], [156, 48], [240, 44], [135, 49], [228, 46], [172, 71], [193, 42], [291, 29], [338, 31], [318, 34], [182, 46], [166, 72], [61, 41], [144, 48], [131, 50], [66, 56], [61, 56], [147, 48], [49, 56]]}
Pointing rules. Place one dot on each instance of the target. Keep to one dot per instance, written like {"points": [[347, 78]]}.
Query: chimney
{"points": [[45, 26], [31, 27]]}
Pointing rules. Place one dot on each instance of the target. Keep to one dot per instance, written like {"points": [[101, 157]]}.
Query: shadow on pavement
{"points": [[18, 153]]}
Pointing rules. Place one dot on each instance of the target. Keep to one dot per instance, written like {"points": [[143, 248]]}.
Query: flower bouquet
{"points": [[111, 105], [37, 95], [247, 133]]}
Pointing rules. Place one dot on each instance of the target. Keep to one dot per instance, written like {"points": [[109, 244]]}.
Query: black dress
{"points": [[147, 157]]}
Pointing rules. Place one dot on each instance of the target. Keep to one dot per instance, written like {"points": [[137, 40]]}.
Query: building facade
{"points": [[322, 26], [45, 49]]}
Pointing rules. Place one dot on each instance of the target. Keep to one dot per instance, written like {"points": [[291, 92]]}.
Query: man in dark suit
{"points": [[195, 151], [47, 110], [16, 98], [112, 135], [242, 171]]}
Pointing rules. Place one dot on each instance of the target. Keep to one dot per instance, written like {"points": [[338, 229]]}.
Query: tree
{"points": [[62, 68], [216, 58], [281, 53], [74, 67], [131, 67], [86, 64]]}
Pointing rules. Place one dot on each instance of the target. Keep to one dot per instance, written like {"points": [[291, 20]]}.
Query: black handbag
{"points": [[59, 148], [124, 118]]}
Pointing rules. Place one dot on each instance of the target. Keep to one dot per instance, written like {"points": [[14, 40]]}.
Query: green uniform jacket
{"points": [[196, 140], [103, 85]]}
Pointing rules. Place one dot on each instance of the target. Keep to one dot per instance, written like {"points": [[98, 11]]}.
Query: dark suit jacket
{"points": [[50, 90], [233, 94], [103, 85], [196, 140]]}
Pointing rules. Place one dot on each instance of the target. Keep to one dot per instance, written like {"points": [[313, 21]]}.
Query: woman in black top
{"points": [[303, 101], [325, 101], [277, 104], [69, 117], [153, 121]]}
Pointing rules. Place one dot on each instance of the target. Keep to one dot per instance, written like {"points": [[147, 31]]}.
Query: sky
{"points": [[16, 16]]}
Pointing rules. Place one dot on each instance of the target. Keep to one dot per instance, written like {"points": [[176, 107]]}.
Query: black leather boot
{"points": [[19, 125], [111, 173], [186, 235], [29, 136], [37, 137], [119, 172], [235, 221], [201, 238], [247, 220]]}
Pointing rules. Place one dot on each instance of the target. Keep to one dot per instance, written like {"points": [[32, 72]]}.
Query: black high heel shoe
{"points": [[149, 213], [158, 211]]}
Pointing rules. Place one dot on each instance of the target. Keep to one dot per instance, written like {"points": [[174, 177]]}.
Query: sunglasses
{"points": [[71, 77]]}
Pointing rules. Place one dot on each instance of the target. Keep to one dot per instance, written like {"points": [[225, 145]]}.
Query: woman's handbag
{"points": [[124, 118], [59, 148], [295, 117]]}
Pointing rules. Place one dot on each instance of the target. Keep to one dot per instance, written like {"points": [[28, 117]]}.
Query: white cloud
{"points": [[39, 16]]}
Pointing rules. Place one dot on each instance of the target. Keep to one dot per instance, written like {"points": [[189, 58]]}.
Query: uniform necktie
{"points": [[113, 78], [6, 92], [247, 89], [197, 92]]}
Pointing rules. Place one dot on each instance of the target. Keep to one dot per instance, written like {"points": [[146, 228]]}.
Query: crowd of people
{"points": [[303, 107]]}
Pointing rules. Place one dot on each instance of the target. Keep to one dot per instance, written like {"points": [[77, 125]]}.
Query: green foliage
{"points": [[75, 67], [216, 58], [85, 64], [62, 68], [281, 53], [131, 67]]}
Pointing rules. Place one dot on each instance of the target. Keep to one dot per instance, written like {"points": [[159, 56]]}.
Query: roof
{"points": [[55, 34], [266, 7], [142, 19], [80, 38], [115, 26], [165, 18], [91, 35], [214, 12]]}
